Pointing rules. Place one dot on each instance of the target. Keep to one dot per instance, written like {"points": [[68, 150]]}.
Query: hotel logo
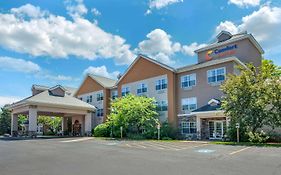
{"points": [[221, 52]]}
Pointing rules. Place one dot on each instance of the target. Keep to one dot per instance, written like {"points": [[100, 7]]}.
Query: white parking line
{"points": [[76, 140], [238, 151]]}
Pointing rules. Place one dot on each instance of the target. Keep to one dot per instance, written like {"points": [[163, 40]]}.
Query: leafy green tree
{"points": [[51, 123], [253, 96], [5, 121], [135, 114]]}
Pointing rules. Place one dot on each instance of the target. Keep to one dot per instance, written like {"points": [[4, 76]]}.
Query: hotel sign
{"points": [[221, 52]]}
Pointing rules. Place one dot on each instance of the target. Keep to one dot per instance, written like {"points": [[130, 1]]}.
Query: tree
{"points": [[51, 123], [253, 96], [5, 121], [136, 114]]}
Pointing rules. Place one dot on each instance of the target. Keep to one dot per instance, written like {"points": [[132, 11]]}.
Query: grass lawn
{"points": [[248, 144]]}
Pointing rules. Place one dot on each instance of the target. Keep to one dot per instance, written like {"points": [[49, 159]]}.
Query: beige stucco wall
{"points": [[202, 91]]}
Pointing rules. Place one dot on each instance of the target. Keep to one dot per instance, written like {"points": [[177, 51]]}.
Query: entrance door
{"points": [[216, 129]]}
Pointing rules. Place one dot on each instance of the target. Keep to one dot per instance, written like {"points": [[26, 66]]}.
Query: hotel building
{"points": [[187, 97]]}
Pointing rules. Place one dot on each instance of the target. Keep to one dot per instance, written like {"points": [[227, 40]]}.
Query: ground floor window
{"points": [[188, 127]]}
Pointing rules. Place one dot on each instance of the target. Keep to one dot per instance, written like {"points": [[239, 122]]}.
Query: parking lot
{"points": [[98, 156]]}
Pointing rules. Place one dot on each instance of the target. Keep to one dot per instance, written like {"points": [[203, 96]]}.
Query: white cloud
{"points": [[226, 26], [76, 8], [102, 71], [57, 37], [158, 4], [264, 24], [58, 77], [160, 47], [29, 11], [4, 100], [189, 49], [19, 65], [95, 12], [244, 3]]}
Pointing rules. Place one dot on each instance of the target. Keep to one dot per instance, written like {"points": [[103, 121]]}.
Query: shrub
{"points": [[102, 130], [168, 131], [232, 132], [258, 137], [166, 138]]}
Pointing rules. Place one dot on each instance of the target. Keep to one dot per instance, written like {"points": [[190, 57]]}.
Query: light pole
{"points": [[237, 131]]}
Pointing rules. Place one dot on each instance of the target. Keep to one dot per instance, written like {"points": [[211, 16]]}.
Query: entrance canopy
{"points": [[55, 101]]}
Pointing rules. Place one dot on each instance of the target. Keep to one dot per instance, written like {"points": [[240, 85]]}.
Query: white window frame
{"points": [[216, 75], [142, 87], [161, 82], [114, 94], [100, 96], [100, 112], [187, 125], [125, 90], [89, 99], [188, 80], [188, 102], [162, 105]]}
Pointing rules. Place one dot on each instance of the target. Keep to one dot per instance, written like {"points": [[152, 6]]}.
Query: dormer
{"points": [[223, 36], [57, 91]]}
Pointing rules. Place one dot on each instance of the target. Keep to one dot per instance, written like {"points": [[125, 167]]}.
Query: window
{"points": [[188, 127], [89, 99], [142, 88], [188, 80], [216, 75], [161, 84], [114, 94], [125, 91], [81, 98], [99, 112], [189, 104], [100, 96], [162, 106]]}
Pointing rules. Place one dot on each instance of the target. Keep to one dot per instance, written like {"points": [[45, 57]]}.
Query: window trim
{"points": [[159, 83], [188, 75], [188, 124], [216, 82], [126, 92], [188, 104], [142, 87]]}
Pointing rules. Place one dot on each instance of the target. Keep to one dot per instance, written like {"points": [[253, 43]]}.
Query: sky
{"points": [[59, 42]]}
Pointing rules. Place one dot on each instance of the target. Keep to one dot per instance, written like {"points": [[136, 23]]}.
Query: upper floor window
{"points": [[125, 91], [161, 84], [189, 104], [142, 88], [188, 127], [188, 80], [89, 99], [216, 75], [99, 112], [114, 94], [162, 106], [100, 96]]}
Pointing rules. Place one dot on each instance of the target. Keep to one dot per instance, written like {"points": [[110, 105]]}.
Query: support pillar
{"points": [[64, 126], [198, 127], [14, 125], [88, 124], [32, 118]]}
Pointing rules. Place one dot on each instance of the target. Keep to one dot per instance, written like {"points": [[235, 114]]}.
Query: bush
{"points": [[258, 137], [232, 132], [166, 138], [102, 130], [168, 131]]}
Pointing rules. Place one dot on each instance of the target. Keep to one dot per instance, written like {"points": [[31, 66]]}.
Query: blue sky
{"points": [[58, 42]]}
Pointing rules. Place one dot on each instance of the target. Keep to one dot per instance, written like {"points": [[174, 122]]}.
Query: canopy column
{"points": [[32, 119], [14, 125], [88, 124], [64, 125]]}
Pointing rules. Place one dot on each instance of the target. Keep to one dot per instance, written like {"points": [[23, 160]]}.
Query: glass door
{"points": [[216, 129]]}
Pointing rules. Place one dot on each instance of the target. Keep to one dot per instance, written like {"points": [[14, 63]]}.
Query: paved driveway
{"points": [[79, 156]]}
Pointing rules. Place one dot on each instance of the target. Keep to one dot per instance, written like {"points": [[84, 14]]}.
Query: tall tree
{"points": [[5, 121], [253, 96]]}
